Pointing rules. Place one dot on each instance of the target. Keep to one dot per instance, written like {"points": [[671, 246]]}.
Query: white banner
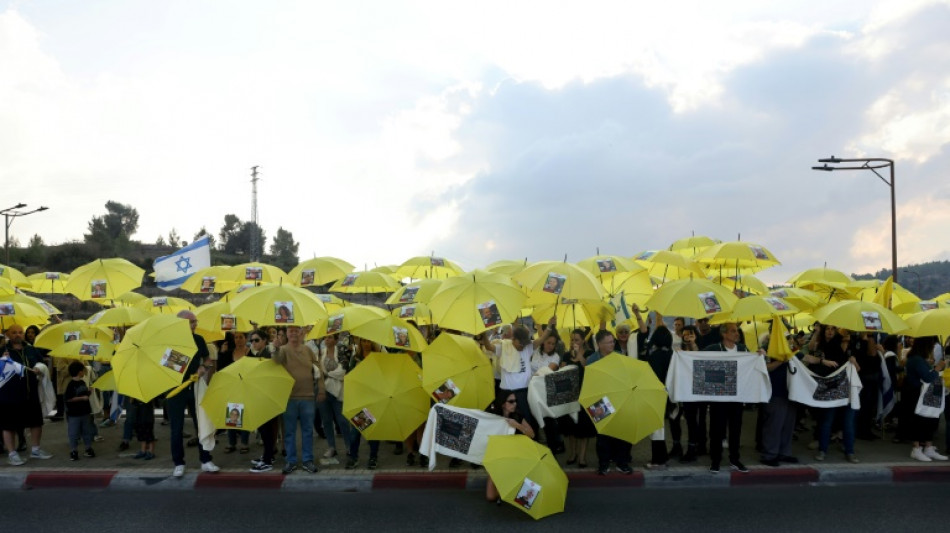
{"points": [[841, 387], [460, 433], [718, 377]]}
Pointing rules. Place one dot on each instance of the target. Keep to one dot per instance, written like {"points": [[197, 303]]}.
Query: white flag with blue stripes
{"points": [[172, 270]]}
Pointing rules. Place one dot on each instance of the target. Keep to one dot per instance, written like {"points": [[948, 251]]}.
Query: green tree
{"points": [[35, 254], [111, 234], [284, 250], [160, 241], [204, 232], [173, 239], [230, 229]]}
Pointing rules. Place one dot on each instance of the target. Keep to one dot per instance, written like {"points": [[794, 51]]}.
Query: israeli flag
{"points": [[171, 271]]}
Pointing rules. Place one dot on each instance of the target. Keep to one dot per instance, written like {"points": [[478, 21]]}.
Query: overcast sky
{"points": [[485, 130]]}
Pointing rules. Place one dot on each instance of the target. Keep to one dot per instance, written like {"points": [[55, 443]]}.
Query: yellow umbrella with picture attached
{"points": [[803, 299], [526, 475], [104, 279], [476, 301], [319, 271], [745, 283], [22, 310], [428, 267], [85, 350], [855, 315], [623, 397], [206, 281], [455, 371], [254, 273], [693, 298], [392, 332], [279, 305], [419, 291], [247, 393], [167, 305], [738, 256], [365, 282], [48, 282], [57, 334], [345, 319], [217, 318], [383, 397], [603, 267], [153, 357], [552, 281], [418, 313]]}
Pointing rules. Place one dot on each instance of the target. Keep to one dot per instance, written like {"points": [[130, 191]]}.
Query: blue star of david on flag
{"points": [[172, 270], [183, 264]]}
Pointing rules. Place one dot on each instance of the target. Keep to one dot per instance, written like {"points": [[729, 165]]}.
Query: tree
{"points": [[230, 229], [284, 250], [112, 233], [202, 233], [173, 239], [35, 254], [160, 241]]}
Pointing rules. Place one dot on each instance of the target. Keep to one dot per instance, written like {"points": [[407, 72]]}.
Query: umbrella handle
{"points": [[183, 386]]}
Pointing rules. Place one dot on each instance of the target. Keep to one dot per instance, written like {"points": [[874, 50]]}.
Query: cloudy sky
{"points": [[485, 130]]}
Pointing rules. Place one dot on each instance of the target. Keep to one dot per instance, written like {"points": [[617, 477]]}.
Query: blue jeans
{"points": [[301, 411], [176, 418], [332, 409], [80, 426], [827, 420]]}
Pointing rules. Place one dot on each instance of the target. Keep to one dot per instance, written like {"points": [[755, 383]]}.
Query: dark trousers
{"points": [[552, 435], [269, 438], [355, 438], [695, 413], [864, 423], [176, 406], [779, 416], [612, 449], [724, 415]]}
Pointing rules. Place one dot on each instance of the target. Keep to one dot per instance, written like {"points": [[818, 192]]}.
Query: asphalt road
{"points": [[778, 509]]}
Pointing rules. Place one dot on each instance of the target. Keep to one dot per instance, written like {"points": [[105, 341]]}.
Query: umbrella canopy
{"points": [[856, 315], [167, 305], [637, 287], [690, 246], [476, 301], [57, 334], [693, 298], [217, 318], [555, 281], [346, 319], [392, 332], [419, 291], [256, 273], [128, 299], [153, 357], [574, 315], [118, 317], [22, 310], [105, 381], [85, 350], [428, 267], [909, 308], [455, 371], [365, 282], [526, 474], [14, 276], [738, 256], [418, 313], [623, 397], [934, 322], [48, 282], [803, 299], [508, 267], [666, 265], [755, 308], [208, 280], [778, 348], [331, 302], [745, 283], [104, 279], [383, 397], [247, 393], [279, 305], [320, 271], [603, 267], [7, 288], [823, 274]]}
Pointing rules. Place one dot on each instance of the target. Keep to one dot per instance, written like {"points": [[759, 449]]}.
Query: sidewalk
{"points": [[881, 462]]}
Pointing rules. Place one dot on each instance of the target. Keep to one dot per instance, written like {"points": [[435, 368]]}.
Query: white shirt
{"points": [[520, 379], [539, 360], [938, 352]]}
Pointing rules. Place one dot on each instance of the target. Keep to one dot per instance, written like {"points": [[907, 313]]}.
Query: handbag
{"points": [[931, 402]]}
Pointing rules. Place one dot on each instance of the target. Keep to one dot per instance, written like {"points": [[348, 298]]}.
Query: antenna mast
{"points": [[255, 232]]}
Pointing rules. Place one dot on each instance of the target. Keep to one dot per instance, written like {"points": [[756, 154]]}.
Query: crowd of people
{"points": [[517, 353]]}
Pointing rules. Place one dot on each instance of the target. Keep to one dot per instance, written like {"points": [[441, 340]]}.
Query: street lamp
{"points": [[872, 164], [10, 214]]}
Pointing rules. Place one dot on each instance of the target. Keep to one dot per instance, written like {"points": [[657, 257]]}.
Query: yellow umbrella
{"points": [[85, 350], [821, 275], [418, 313], [167, 305], [745, 283], [207, 281], [391, 332], [383, 397], [623, 397], [7, 288], [942, 298], [21, 309], [105, 381], [49, 308], [526, 475], [934, 322], [428, 267], [129, 299], [778, 345], [801, 298], [345, 319], [48, 282], [217, 318], [104, 279], [508, 266], [247, 393], [831, 291], [320, 271], [856, 315], [636, 286], [389, 270], [690, 246], [57, 334], [756, 308], [476, 301], [153, 357], [14, 276], [255, 273], [455, 371], [891, 295], [603, 267], [574, 315], [331, 302], [737, 255], [666, 265], [552, 281], [118, 317], [279, 305], [365, 282], [693, 298], [909, 308], [419, 291]]}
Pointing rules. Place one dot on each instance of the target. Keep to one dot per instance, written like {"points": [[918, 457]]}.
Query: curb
{"points": [[473, 481]]}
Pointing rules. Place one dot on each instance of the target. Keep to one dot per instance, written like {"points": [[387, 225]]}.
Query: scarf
{"points": [[510, 360]]}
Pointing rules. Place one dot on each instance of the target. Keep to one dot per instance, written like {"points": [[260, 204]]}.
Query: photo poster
{"points": [[776, 304], [117, 335], [253, 273], [401, 337], [644, 256], [6, 309], [175, 360], [872, 320], [446, 391], [554, 284], [759, 253], [927, 305], [46, 306], [437, 261], [307, 277], [51, 275], [98, 288], [606, 265], [228, 322], [455, 430], [562, 387], [408, 311], [334, 324], [363, 420], [710, 302], [600, 410], [234, 417], [325, 298], [69, 335], [528, 493], [207, 284], [489, 313], [284, 312], [408, 295], [349, 280], [159, 301], [89, 348], [781, 293]]}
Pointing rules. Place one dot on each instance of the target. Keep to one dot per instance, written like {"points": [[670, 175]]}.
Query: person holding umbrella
{"points": [[506, 406], [299, 362], [609, 448]]}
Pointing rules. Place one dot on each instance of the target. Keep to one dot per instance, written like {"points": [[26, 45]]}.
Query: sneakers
{"points": [[123, 446], [107, 423], [210, 467], [289, 467], [140, 455], [179, 471], [351, 463], [714, 468], [74, 455], [14, 459], [38, 453], [261, 467], [98, 438], [918, 454], [310, 467], [820, 456], [853, 459], [89, 453], [625, 469], [932, 453], [149, 456], [372, 464], [329, 453], [738, 466]]}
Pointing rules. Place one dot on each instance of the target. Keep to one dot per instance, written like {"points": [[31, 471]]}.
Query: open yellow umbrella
{"points": [[153, 357], [319, 271], [942, 298], [856, 315], [603, 267], [104, 279], [128, 299], [574, 315], [803, 299], [745, 283], [552, 281], [821, 275], [365, 282], [22, 310], [508, 267], [476, 301], [118, 317], [737, 255], [391, 332], [247, 393], [85, 350], [693, 298], [332, 302], [279, 305], [690, 246], [48, 282], [623, 397], [206, 281], [907, 309], [383, 397], [7, 288], [345, 319], [428, 267], [636, 286], [755, 308], [217, 318], [526, 474], [456, 371], [57, 334], [256, 273], [935, 322], [419, 291], [14, 276], [665, 265], [105, 381], [418, 313], [165, 305]]}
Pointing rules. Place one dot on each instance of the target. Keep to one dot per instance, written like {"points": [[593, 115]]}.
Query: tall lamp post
{"points": [[10, 214], [872, 164]]}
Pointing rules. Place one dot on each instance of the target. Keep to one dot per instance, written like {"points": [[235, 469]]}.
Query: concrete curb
{"points": [[473, 481]]}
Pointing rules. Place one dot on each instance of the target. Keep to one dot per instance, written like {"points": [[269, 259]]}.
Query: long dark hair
{"points": [[498, 406], [922, 347]]}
